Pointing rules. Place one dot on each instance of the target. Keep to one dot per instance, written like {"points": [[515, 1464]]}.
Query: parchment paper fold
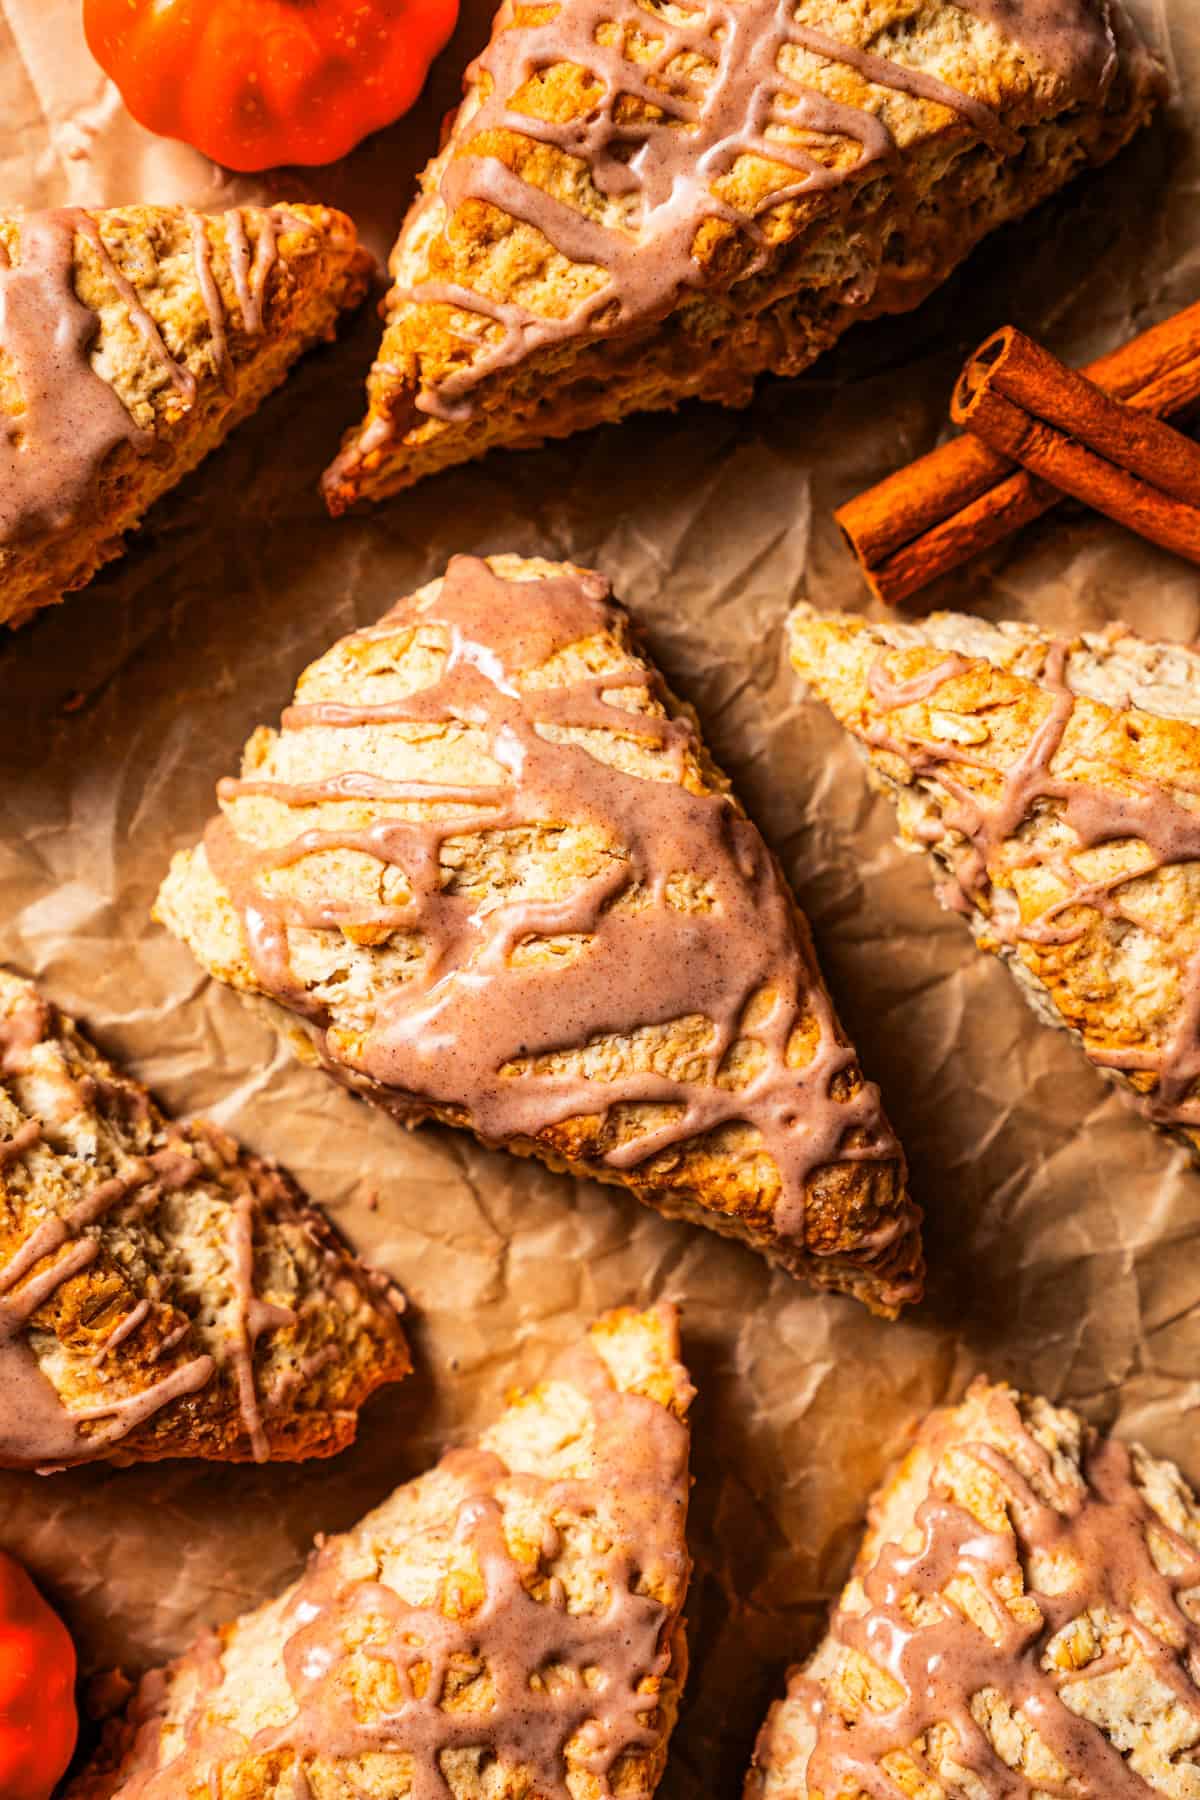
{"points": [[1063, 1237]]}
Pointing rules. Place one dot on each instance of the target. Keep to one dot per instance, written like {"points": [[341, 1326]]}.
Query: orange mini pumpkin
{"points": [[38, 1722], [253, 83]]}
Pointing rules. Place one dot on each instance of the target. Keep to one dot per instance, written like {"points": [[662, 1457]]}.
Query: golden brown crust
{"points": [[877, 240], [860, 1230], [161, 1289], [1070, 1546], [317, 271], [591, 1461], [1103, 936]]}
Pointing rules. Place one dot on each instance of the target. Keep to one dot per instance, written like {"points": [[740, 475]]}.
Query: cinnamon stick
{"points": [[1027, 405], [961, 499]]}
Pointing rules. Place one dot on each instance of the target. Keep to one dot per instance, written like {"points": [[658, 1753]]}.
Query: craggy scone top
{"points": [[162, 1292], [508, 1624], [1057, 785], [639, 200], [1021, 1624], [487, 873], [132, 339]]}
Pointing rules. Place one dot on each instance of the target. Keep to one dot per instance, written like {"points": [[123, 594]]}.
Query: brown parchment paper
{"points": [[1063, 1236]]}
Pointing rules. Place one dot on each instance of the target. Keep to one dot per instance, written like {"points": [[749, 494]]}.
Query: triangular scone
{"points": [[508, 1625], [1057, 784], [1020, 1625], [640, 203], [132, 340], [162, 1292], [487, 874]]}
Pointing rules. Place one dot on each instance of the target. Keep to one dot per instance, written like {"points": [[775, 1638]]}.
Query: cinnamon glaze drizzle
{"points": [[670, 163], [1093, 1543], [1150, 814], [71, 417], [555, 1676], [38, 1429], [466, 1030]]}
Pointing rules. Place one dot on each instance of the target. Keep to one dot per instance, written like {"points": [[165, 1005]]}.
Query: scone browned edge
{"points": [[828, 255], [638, 1353], [1104, 944], [860, 1232], [156, 1298], [1098, 1542], [318, 271]]}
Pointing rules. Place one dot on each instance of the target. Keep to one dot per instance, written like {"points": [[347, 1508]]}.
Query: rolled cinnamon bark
{"points": [[962, 498], [1027, 405]]}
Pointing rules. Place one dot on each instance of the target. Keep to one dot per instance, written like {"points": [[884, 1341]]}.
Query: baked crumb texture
{"points": [[507, 1625], [488, 874], [639, 202], [1056, 786], [132, 340], [1021, 1623], [162, 1292]]}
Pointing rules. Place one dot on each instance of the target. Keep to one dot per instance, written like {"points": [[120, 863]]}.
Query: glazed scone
{"points": [[132, 340], [641, 202], [1056, 785], [162, 1292], [507, 1625], [1021, 1624], [487, 874]]}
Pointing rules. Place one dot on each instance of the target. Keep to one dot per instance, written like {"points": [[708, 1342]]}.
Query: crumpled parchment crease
{"points": [[1063, 1236]]}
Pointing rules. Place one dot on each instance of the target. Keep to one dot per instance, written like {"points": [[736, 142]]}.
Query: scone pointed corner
{"points": [[568, 902], [1052, 782], [642, 1349], [589, 244], [1039, 1676], [163, 1293], [557, 1540], [134, 340], [350, 478]]}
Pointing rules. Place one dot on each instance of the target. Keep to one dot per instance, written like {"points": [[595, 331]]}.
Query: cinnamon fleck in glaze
{"points": [[1021, 1626], [487, 1020], [512, 1618], [1068, 823], [71, 418]]}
